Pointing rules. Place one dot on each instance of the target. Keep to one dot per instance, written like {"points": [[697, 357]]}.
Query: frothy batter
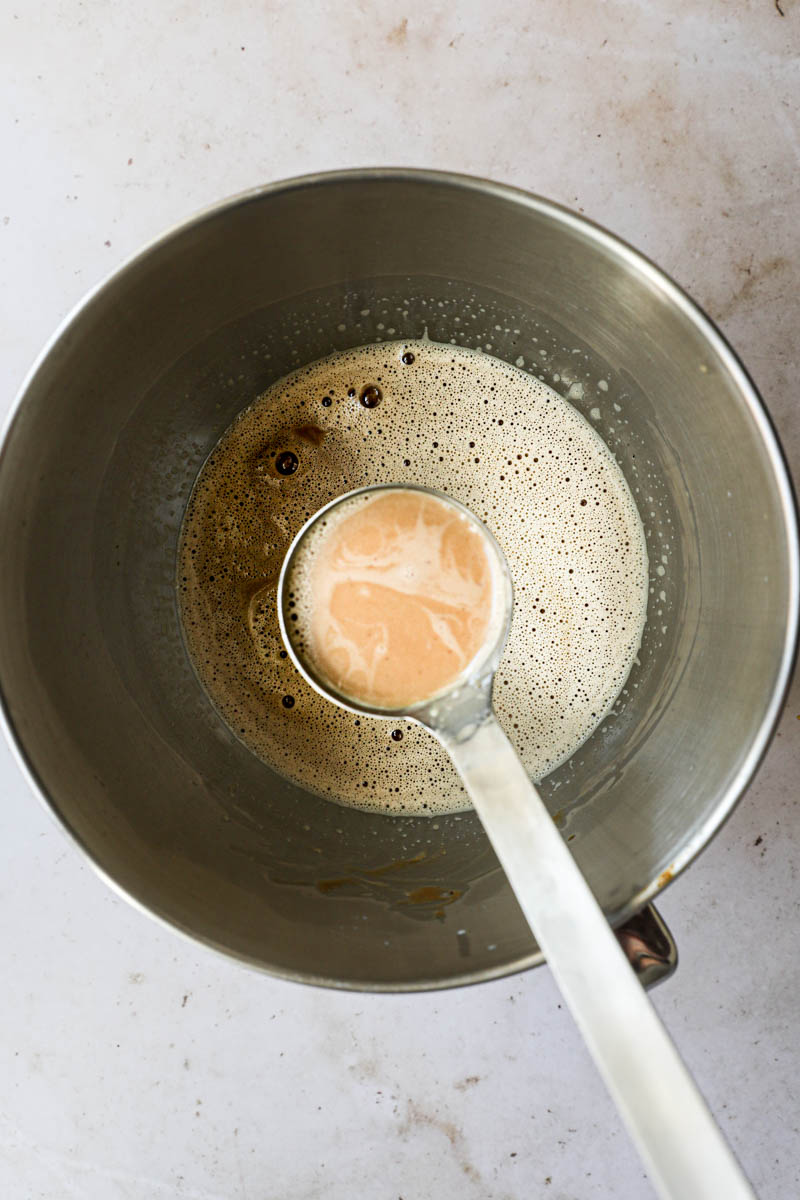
{"points": [[490, 435], [392, 595]]}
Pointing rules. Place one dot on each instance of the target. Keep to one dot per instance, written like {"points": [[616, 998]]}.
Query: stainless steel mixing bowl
{"points": [[118, 415]]}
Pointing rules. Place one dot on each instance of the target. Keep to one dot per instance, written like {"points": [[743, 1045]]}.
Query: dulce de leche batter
{"points": [[393, 597]]}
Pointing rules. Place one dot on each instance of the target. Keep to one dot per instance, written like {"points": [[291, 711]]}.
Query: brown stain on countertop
{"points": [[399, 34], [468, 1082], [754, 276], [417, 1118]]}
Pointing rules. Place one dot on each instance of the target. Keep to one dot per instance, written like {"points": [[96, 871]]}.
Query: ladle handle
{"points": [[683, 1150]]}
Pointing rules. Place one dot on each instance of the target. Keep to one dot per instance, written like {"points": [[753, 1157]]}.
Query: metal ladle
{"points": [[682, 1148]]}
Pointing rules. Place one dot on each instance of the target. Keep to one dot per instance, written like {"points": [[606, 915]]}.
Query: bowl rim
{"points": [[637, 262]]}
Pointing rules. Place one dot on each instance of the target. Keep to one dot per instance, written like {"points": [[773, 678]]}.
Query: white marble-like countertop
{"points": [[136, 1066]]}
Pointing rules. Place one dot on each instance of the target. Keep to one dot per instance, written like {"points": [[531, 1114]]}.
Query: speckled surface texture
{"points": [[134, 1066]]}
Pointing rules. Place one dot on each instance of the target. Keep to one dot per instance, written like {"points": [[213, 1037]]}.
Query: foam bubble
{"points": [[497, 439]]}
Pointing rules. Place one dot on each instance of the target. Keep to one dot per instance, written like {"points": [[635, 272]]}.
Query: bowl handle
{"points": [[649, 946]]}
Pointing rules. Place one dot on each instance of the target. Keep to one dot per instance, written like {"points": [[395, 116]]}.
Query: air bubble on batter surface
{"points": [[490, 435]]}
